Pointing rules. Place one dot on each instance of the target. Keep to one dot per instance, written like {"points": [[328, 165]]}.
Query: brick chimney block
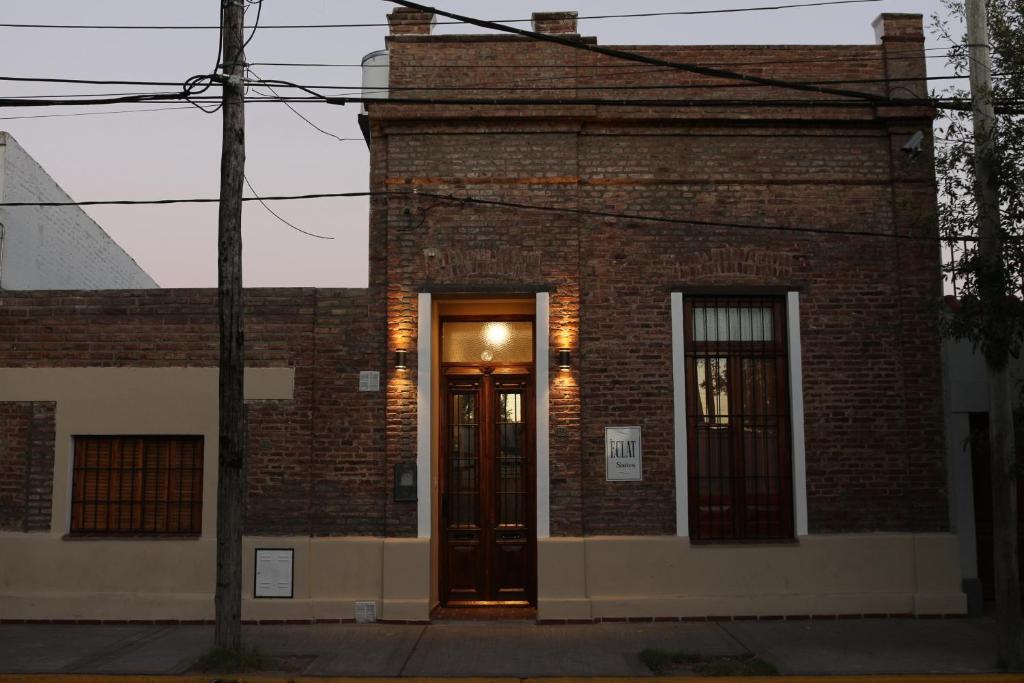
{"points": [[899, 28], [405, 21], [554, 22]]}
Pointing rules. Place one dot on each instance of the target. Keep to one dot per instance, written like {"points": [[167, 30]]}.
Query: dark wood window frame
{"points": [[738, 412], [137, 485]]}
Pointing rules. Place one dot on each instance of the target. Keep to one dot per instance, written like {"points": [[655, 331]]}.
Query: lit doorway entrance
{"points": [[487, 468]]}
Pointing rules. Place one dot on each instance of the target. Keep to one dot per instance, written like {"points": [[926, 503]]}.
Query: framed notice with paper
{"points": [[623, 456]]}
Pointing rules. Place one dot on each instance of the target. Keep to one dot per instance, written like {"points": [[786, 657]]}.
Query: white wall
{"points": [[965, 385], [54, 247]]}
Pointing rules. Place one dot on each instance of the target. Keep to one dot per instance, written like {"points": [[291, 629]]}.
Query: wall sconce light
{"points": [[400, 359], [564, 359]]}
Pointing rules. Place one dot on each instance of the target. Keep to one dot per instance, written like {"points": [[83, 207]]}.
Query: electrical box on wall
{"points": [[405, 482], [275, 573]]}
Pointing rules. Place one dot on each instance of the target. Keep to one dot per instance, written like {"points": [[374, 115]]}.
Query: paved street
{"points": [[520, 649]]}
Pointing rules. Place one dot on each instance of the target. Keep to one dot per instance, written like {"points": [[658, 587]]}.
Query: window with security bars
{"points": [[737, 409], [137, 485]]}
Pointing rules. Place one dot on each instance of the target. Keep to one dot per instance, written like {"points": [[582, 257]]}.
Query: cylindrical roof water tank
{"points": [[375, 76]]}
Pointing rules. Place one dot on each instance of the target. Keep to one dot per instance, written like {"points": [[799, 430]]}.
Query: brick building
{"points": [[638, 361]]}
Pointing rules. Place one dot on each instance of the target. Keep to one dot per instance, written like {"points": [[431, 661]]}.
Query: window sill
{"points": [[130, 537]]}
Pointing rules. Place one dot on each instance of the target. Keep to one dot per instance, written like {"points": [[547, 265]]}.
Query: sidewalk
{"points": [[514, 649]]}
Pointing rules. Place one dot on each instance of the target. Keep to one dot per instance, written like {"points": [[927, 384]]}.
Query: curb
{"points": [[256, 678]]}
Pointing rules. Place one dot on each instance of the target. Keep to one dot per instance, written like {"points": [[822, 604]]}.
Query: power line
{"points": [[278, 216], [201, 83], [890, 56], [85, 81], [644, 59], [93, 113], [179, 27], [660, 219], [209, 200], [1006, 106], [652, 86], [584, 71], [514, 86], [256, 25], [469, 200], [298, 113], [91, 95]]}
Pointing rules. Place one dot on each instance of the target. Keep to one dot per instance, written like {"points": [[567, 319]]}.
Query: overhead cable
{"points": [[178, 27], [296, 111], [514, 86], [276, 215], [890, 55], [470, 200], [93, 113], [1003, 106]]}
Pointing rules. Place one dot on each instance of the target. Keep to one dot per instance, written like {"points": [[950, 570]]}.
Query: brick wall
{"points": [[315, 462], [26, 465], [871, 349]]}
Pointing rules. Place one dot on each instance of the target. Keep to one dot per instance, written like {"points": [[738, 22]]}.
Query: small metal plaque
{"points": [[623, 454], [405, 482], [369, 380]]}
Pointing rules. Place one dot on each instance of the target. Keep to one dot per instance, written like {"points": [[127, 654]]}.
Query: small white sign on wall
{"points": [[623, 454], [369, 380], [274, 573]]}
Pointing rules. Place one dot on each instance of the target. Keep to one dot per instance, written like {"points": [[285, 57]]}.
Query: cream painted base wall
{"points": [[44, 577], [660, 576]]}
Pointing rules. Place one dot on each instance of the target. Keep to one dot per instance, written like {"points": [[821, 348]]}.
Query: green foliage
{"points": [[662, 661], [990, 312], [221, 660]]}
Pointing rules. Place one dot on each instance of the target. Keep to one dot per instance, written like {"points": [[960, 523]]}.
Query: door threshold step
{"points": [[484, 613]]}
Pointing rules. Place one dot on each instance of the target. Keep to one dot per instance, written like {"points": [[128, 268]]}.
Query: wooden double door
{"points": [[487, 490]]}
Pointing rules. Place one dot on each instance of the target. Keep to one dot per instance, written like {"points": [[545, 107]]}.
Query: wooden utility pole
{"points": [[231, 469], [1009, 637]]}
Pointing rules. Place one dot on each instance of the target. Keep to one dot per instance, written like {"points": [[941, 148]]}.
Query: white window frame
{"points": [[796, 411]]}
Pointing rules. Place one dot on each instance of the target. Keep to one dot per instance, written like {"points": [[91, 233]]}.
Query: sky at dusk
{"points": [[176, 153]]}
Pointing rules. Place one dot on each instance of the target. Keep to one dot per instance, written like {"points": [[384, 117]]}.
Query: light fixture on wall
{"points": [[400, 359], [564, 359]]}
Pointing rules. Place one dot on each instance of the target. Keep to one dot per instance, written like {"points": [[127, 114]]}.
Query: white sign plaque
{"points": [[622, 454]]}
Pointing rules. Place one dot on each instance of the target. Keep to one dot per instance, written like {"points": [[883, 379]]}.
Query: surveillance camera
{"points": [[912, 147]]}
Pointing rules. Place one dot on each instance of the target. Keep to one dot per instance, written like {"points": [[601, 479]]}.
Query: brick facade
{"points": [[870, 344], [322, 464]]}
